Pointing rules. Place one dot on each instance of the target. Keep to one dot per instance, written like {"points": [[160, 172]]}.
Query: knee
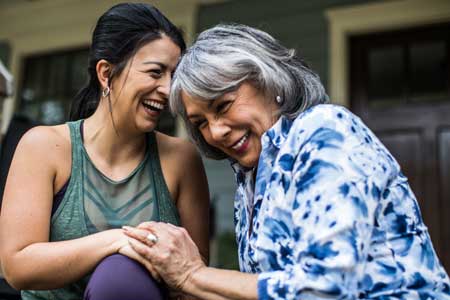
{"points": [[119, 277]]}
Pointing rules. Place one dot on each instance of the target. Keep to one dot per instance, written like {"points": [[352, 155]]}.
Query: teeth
{"points": [[241, 142], [154, 104]]}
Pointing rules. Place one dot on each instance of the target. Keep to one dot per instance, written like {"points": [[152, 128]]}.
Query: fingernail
{"points": [[127, 228]]}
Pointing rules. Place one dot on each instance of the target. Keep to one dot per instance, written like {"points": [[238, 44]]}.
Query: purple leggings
{"points": [[119, 277]]}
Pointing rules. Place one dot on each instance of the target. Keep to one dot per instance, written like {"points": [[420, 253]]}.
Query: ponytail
{"points": [[86, 101]]}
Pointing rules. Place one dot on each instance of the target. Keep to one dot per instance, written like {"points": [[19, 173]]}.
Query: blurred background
{"points": [[387, 60]]}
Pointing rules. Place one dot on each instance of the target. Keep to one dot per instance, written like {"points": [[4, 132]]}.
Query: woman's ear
{"points": [[103, 69]]}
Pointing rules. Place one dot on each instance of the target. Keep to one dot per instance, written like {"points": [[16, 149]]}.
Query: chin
{"points": [[249, 159], [248, 163], [146, 127]]}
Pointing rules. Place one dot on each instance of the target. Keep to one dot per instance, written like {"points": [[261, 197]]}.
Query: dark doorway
{"points": [[400, 86]]}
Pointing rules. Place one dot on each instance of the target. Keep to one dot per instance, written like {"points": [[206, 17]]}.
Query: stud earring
{"points": [[105, 92], [278, 99]]}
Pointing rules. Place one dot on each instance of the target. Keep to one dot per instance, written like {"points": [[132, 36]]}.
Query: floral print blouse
{"points": [[331, 216]]}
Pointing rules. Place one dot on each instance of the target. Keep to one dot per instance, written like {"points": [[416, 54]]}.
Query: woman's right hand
{"points": [[173, 254], [124, 248]]}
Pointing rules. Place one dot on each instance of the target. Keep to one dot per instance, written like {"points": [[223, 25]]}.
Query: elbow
{"points": [[15, 284], [19, 282], [14, 277], [14, 281]]}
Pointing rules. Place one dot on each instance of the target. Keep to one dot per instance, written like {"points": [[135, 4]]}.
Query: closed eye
{"points": [[223, 106], [155, 73], [199, 124]]}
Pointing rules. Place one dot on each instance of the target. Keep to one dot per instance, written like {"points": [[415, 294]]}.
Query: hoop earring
{"points": [[106, 91], [278, 99]]}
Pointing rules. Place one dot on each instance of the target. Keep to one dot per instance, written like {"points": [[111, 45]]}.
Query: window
{"points": [[403, 67], [49, 84]]}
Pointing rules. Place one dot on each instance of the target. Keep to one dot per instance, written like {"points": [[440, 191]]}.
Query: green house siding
{"points": [[222, 190], [299, 24]]}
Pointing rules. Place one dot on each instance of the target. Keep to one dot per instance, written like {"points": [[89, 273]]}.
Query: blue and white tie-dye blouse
{"points": [[332, 217]]}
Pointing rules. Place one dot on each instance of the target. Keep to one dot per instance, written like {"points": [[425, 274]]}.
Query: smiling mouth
{"points": [[153, 105], [241, 142]]}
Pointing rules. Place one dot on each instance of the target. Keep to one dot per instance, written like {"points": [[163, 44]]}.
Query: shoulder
{"points": [[46, 137], [180, 162], [177, 150], [326, 115], [328, 122], [330, 136], [45, 141], [174, 146], [44, 147]]}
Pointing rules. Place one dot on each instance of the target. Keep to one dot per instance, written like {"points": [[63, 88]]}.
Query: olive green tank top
{"points": [[93, 203]]}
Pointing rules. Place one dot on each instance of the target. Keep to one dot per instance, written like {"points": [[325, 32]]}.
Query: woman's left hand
{"points": [[174, 256]]}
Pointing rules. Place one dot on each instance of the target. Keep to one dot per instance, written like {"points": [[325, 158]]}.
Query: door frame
{"points": [[367, 18]]}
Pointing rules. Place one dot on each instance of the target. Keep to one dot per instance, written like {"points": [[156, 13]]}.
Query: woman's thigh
{"points": [[119, 277]]}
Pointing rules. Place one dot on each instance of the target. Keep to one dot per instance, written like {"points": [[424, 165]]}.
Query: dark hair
{"points": [[118, 35]]}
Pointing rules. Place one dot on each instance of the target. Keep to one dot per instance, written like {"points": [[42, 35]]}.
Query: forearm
{"points": [[52, 265], [215, 284]]}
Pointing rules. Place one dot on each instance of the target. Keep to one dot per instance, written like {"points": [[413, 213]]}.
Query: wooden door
{"points": [[400, 86]]}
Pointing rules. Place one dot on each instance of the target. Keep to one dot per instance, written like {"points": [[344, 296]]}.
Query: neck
{"points": [[112, 141]]}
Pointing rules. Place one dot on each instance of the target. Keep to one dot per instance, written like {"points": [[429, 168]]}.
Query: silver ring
{"points": [[152, 238]]}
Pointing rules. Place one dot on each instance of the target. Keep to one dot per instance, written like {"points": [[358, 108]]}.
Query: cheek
{"points": [[209, 140], [256, 143], [145, 86], [246, 119], [140, 83], [206, 136], [147, 80]]}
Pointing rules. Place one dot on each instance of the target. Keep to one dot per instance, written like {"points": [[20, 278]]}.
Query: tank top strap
{"points": [[77, 146], [75, 136], [74, 185], [166, 206]]}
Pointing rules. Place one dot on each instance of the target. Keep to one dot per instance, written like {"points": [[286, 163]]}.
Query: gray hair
{"points": [[225, 56]]}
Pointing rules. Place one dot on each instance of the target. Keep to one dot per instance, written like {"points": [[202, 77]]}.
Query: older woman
{"points": [[72, 186], [322, 210]]}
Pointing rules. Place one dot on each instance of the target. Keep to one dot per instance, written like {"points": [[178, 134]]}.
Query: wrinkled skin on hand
{"points": [[174, 256]]}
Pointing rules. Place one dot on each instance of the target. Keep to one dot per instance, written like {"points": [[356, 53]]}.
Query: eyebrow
{"points": [[163, 66], [211, 103], [193, 116]]}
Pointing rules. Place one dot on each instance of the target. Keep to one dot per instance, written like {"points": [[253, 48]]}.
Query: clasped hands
{"points": [[167, 251]]}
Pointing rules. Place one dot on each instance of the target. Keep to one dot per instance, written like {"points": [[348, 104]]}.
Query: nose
{"points": [[164, 85], [218, 130]]}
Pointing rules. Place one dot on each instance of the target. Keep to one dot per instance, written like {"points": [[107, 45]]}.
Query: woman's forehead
{"points": [[195, 106], [159, 51], [186, 96]]}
